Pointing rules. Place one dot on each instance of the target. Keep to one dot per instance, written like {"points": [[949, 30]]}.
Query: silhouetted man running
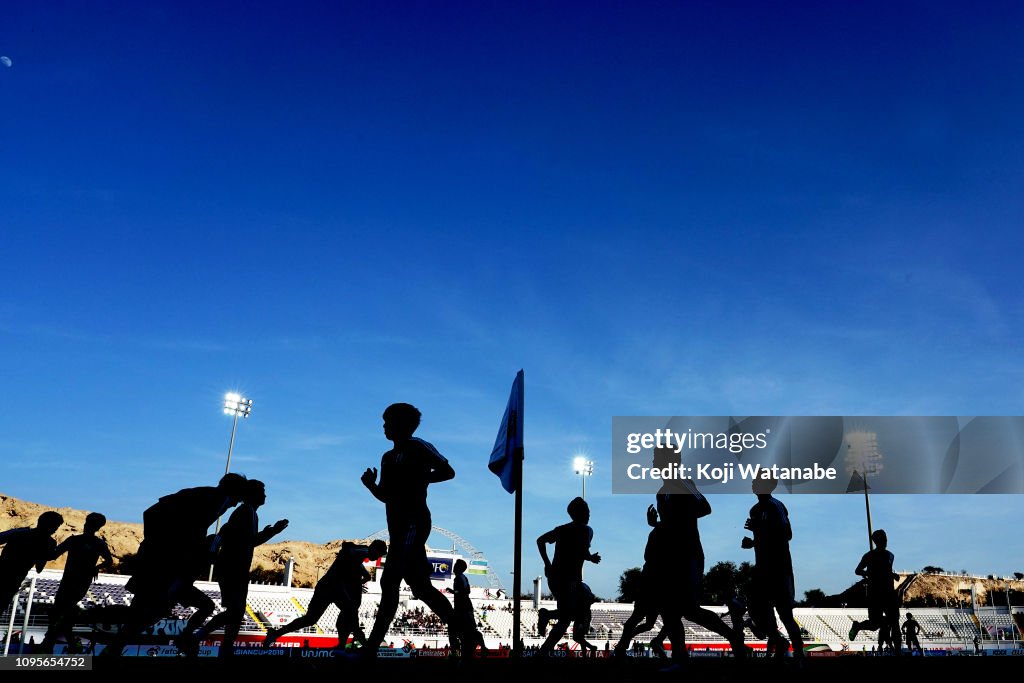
{"points": [[237, 540], [910, 629], [565, 577], [773, 569], [465, 617], [341, 585], [24, 548], [646, 606], [677, 561], [174, 546], [84, 551], [405, 472], [883, 601]]}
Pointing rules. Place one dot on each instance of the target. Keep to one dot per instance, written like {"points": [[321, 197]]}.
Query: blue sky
{"points": [[667, 208]]}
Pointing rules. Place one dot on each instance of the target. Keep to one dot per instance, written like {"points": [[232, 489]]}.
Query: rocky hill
{"points": [[123, 538], [940, 589], [312, 560]]}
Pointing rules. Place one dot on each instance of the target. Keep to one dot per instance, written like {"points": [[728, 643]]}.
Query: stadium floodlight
{"points": [[584, 468], [237, 406]]}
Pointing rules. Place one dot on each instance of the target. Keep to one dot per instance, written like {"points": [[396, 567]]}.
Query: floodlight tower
{"points": [[584, 468], [237, 406]]}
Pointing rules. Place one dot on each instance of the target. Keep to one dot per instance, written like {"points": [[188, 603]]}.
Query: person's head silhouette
{"points": [[460, 567], [664, 457], [880, 539], [233, 486], [49, 522], [763, 488], [578, 510], [400, 421], [378, 549], [94, 521], [255, 493]]}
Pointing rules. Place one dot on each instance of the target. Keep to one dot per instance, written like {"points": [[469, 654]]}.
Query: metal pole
{"points": [[1009, 611], [517, 564], [28, 612], [867, 508], [10, 626], [227, 468], [231, 443], [583, 476]]}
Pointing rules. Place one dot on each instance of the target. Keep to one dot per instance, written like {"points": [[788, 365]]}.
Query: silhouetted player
{"points": [[645, 607], [677, 560], [24, 548], [565, 577], [236, 541], [910, 629], [341, 585], [465, 617], [773, 569], [405, 472], [173, 549], [883, 601], [84, 551]]}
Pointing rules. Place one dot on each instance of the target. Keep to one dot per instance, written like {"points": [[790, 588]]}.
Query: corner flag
{"points": [[860, 483], [857, 483], [509, 444]]}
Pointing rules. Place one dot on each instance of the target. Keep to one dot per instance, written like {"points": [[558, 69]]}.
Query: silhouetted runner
{"points": [[406, 470], [465, 617], [341, 585], [677, 561], [910, 629], [24, 548], [235, 544], [773, 585], [645, 608], [174, 548], [565, 577], [84, 551], [883, 601]]}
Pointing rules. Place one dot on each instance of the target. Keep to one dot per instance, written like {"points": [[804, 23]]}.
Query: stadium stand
{"points": [[941, 627]]}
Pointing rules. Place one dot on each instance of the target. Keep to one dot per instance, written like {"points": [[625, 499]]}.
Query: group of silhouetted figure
{"points": [[176, 547]]}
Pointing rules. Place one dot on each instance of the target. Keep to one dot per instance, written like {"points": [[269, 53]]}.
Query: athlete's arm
{"points": [[62, 548], [108, 559], [6, 536], [369, 480], [440, 468], [442, 471], [542, 546], [47, 555]]}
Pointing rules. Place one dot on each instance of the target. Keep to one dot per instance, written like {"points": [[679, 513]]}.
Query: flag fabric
{"points": [[509, 444], [857, 483]]}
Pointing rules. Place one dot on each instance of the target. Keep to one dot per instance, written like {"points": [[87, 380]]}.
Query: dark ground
{"points": [[828, 670]]}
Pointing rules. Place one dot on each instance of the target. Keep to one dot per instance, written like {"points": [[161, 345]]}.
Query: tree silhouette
{"points": [[629, 585], [724, 580], [815, 598]]}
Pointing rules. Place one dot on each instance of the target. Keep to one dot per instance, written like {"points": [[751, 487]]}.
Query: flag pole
{"points": [[506, 461], [867, 509], [517, 565]]}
